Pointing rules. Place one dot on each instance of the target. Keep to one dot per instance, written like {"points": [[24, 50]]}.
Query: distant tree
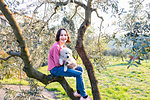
{"points": [[136, 23]]}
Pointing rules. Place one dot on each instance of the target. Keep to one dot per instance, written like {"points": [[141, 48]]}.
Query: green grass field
{"points": [[116, 82]]}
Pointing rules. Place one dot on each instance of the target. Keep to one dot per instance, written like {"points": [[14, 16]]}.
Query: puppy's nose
{"points": [[67, 56]]}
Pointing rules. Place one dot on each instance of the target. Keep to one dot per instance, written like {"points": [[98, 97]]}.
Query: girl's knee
{"points": [[79, 68], [79, 74]]}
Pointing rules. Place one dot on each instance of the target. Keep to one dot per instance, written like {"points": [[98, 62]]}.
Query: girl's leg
{"points": [[79, 68], [80, 85], [59, 71]]}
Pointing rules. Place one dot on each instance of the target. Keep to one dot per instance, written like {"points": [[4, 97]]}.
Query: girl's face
{"points": [[63, 36]]}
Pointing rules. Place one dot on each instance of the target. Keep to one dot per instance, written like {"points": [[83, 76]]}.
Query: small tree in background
{"points": [[136, 24]]}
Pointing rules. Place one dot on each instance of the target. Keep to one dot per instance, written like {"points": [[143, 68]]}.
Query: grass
{"points": [[115, 83], [122, 83]]}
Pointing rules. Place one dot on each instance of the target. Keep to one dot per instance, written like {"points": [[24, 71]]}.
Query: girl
{"points": [[56, 69]]}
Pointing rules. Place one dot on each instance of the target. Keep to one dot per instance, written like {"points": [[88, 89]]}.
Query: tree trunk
{"points": [[89, 67], [82, 53], [66, 87]]}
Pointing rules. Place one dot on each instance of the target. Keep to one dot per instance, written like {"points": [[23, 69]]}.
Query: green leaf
{"points": [[135, 65], [138, 62], [128, 61], [143, 50], [128, 66]]}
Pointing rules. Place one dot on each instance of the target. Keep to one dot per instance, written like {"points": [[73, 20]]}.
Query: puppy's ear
{"points": [[67, 63]]}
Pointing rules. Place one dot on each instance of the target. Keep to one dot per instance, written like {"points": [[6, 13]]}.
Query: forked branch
{"points": [[11, 54], [5, 59], [55, 11]]}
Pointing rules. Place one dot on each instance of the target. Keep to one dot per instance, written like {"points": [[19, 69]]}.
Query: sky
{"points": [[108, 20], [96, 21]]}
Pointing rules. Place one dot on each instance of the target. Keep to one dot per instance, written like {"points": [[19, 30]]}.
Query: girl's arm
{"points": [[56, 54]]}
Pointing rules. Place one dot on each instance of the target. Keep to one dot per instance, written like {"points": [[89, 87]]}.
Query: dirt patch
{"points": [[48, 95]]}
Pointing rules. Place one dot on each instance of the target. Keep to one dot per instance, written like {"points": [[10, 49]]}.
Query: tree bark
{"points": [[28, 68], [68, 90], [82, 53]]}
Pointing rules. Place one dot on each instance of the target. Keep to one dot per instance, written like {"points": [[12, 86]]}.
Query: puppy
{"points": [[66, 55]]}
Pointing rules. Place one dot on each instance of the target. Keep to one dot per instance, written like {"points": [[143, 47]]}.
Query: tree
{"points": [[137, 27]]}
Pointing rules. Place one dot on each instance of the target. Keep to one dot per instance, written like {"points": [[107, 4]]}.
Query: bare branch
{"points": [[98, 14], [80, 16], [75, 12], [66, 2], [14, 53], [100, 25], [35, 10], [5, 58], [59, 3], [80, 4], [55, 11]]}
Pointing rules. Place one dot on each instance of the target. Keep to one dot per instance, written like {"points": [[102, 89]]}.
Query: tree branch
{"points": [[98, 14], [59, 3], [100, 25], [18, 34], [5, 59], [80, 16], [75, 12], [55, 11], [66, 2], [35, 10], [80, 4], [73, 15], [12, 54]]}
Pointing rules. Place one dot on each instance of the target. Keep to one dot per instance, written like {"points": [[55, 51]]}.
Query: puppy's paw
{"points": [[60, 62], [65, 68]]}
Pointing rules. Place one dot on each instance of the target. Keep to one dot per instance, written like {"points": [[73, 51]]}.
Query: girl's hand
{"points": [[72, 65]]}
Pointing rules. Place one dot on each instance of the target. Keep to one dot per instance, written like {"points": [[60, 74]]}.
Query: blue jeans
{"points": [[77, 72]]}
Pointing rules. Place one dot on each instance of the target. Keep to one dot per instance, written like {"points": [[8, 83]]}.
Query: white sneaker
{"points": [[88, 98], [76, 94]]}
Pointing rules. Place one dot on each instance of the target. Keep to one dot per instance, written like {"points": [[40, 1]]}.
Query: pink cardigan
{"points": [[53, 58]]}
